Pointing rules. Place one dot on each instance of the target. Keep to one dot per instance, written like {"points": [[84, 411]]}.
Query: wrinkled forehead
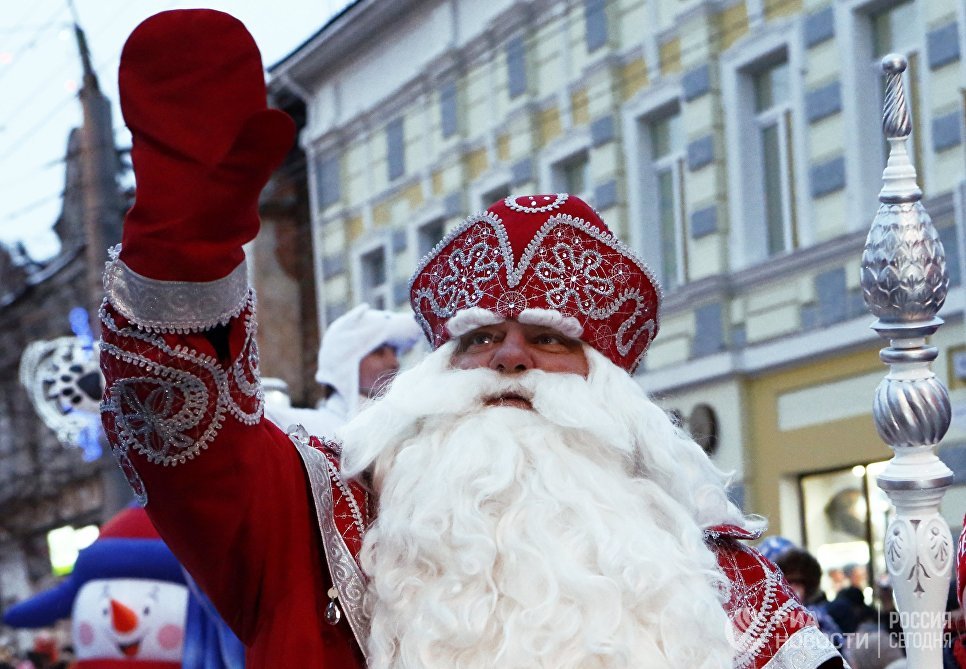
{"points": [[468, 320]]}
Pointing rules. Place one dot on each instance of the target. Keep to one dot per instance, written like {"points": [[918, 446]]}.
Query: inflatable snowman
{"points": [[127, 600]]}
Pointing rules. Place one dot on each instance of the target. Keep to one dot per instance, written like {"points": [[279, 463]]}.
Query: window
{"points": [[374, 278], [448, 109], [888, 25], [428, 235], [841, 511], [571, 174], [595, 19], [667, 155], [396, 149], [773, 135], [516, 65], [770, 179], [891, 34], [491, 196], [328, 184]]}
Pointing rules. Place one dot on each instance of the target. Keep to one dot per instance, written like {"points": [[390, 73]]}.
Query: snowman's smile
{"points": [[130, 649]]}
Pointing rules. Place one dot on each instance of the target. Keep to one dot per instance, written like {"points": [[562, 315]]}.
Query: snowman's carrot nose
{"points": [[123, 618]]}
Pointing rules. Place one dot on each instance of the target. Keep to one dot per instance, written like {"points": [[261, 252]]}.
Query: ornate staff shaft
{"points": [[904, 282]]}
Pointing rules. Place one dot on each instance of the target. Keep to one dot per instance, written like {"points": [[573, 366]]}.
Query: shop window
{"points": [[845, 515]]}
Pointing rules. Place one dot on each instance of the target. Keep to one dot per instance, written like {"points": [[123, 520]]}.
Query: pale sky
{"points": [[40, 71]]}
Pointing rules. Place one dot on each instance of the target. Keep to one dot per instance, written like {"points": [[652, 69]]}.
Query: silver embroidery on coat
{"points": [[343, 568], [159, 414]]}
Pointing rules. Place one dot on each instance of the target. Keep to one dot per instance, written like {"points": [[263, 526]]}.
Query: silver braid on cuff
{"points": [[174, 306]]}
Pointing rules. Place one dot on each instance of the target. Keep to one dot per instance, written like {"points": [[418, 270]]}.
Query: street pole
{"points": [[99, 168], [102, 216], [904, 282]]}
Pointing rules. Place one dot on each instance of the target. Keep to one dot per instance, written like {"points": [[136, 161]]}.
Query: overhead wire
{"points": [[31, 172], [36, 204], [62, 102], [717, 32], [31, 43], [46, 118]]}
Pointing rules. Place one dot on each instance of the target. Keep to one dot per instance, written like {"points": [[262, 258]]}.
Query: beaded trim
{"points": [[346, 575], [764, 612], [171, 412], [336, 476], [174, 306], [131, 474], [558, 201], [497, 228]]}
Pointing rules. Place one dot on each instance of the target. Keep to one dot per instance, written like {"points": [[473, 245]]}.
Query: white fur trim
{"points": [[549, 318], [467, 320]]}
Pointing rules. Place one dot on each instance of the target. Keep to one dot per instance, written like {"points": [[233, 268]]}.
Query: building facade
{"points": [[735, 144]]}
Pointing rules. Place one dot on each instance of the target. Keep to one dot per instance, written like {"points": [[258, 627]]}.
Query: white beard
{"points": [[568, 536]]}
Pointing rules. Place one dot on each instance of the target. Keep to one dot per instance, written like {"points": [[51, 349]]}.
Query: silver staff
{"points": [[904, 282]]}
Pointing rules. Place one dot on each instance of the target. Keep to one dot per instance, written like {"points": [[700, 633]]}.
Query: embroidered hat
{"points": [[546, 259]]}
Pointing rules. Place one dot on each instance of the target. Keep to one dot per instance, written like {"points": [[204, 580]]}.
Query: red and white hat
{"points": [[546, 259]]}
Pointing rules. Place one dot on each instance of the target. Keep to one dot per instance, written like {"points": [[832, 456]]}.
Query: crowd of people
{"points": [[46, 653], [861, 619]]}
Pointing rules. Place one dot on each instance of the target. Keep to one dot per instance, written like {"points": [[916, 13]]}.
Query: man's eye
{"points": [[479, 339], [549, 339]]}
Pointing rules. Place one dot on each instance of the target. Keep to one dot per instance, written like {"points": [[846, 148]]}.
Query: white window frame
{"points": [[490, 181], [644, 227], [558, 172], [863, 77], [747, 240], [359, 288], [674, 162], [419, 234], [434, 214], [777, 116], [565, 148]]}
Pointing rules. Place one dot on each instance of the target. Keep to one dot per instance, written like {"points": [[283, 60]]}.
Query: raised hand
{"points": [[204, 143]]}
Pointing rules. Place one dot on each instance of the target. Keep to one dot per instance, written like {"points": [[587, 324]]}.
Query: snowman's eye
{"points": [[147, 610], [105, 611]]}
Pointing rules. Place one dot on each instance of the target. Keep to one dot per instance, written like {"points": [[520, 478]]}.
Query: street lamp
{"points": [[904, 282]]}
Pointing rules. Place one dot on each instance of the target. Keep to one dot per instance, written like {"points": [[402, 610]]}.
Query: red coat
{"points": [[265, 524]]}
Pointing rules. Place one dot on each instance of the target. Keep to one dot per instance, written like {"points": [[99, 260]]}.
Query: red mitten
{"points": [[204, 143]]}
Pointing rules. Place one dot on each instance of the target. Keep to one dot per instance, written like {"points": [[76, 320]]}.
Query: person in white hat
{"points": [[358, 357], [515, 500]]}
